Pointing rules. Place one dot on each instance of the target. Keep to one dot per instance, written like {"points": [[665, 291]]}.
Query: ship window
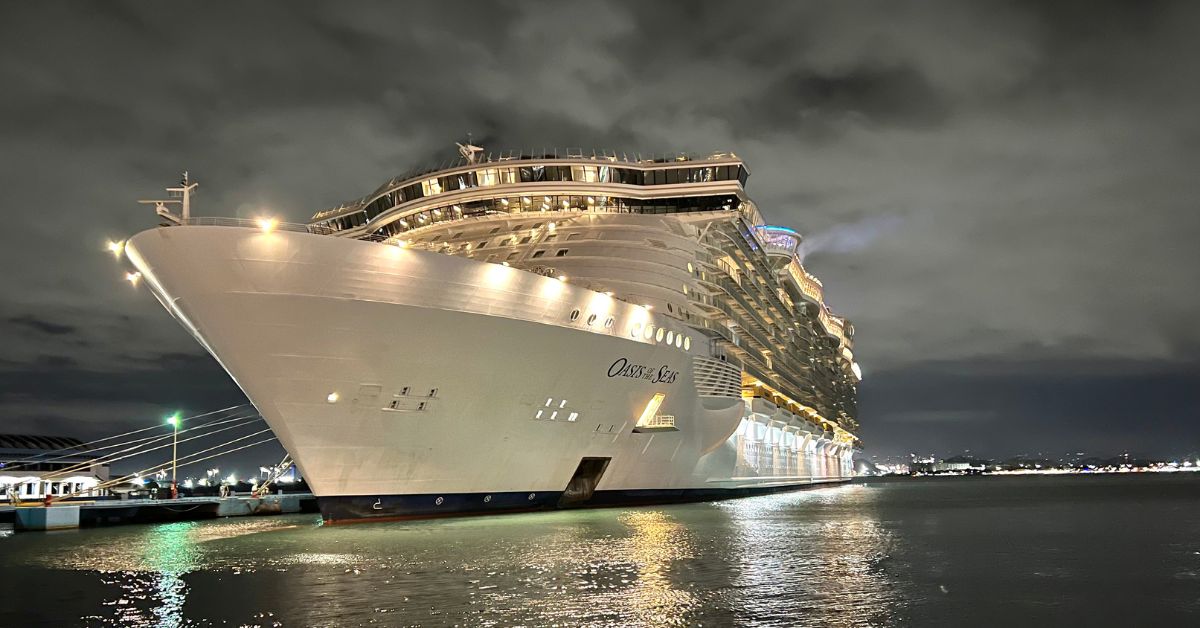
{"points": [[574, 315], [563, 404], [637, 329], [670, 337], [536, 225], [649, 331], [561, 253], [554, 415], [526, 240], [549, 401], [458, 235], [608, 323], [659, 335], [512, 256], [573, 416], [679, 341], [393, 404], [495, 230], [432, 392], [421, 406], [538, 253], [482, 244], [591, 319], [550, 238], [404, 391], [518, 227], [573, 236], [670, 309], [539, 414], [687, 343]]}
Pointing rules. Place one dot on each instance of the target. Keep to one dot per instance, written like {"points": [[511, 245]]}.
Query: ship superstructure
{"points": [[519, 331]]}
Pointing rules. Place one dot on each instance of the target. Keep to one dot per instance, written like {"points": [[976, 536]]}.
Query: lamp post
{"points": [[173, 421]]}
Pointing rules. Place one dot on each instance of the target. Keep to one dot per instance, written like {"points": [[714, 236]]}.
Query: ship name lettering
{"points": [[622, 367]]}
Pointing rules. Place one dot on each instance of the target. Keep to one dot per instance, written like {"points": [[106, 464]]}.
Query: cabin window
{"points": [[537, 254]]}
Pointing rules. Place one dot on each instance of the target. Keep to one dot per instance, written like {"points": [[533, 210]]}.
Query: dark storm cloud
{"points": [[41, 326], [1005, 188]]}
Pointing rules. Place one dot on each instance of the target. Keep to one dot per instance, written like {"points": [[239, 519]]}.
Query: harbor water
{"points": [[979, 551]]}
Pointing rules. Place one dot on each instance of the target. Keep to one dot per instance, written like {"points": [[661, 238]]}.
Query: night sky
{"points": [[1001, 196]]}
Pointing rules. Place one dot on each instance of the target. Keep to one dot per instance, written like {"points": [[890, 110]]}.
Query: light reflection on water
{"points": [[762, 560], [979, 552], [759, 560]]}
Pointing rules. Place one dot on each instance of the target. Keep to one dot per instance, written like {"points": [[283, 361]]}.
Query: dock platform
{"points": [[69, 515]]}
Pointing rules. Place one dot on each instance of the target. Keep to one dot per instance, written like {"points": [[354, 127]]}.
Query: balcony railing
{"points": [[657, 423], [263, 224], [809, 285]]}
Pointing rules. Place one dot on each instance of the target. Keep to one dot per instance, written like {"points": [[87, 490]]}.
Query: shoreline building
{"points": [[37, 466], [521, 331]]}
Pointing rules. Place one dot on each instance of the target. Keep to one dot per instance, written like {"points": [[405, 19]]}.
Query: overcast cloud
{"points": [[1002, 196]]}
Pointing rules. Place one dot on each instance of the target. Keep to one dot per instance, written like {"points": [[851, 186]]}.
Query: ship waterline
{"points": [[411, 378]]}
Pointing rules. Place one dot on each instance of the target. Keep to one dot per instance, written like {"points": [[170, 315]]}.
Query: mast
{"points": [[181, 195]]}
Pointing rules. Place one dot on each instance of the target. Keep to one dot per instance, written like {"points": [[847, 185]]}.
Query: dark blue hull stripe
{"points": [[347, 508]]}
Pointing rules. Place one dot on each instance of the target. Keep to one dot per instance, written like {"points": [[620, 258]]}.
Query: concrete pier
{"points": [[124, 511], [43, 518]]}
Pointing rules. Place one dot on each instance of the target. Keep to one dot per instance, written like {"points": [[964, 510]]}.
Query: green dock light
{"points": [[174, 421]]}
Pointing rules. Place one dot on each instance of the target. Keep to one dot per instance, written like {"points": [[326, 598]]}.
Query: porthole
{"points": [[679, 341], [637, 329], [670, 309], [687, 343], [690, 268], [574, 315], [659, 336], [591, 319], [608, 323], [649, 331], [670, 337]]}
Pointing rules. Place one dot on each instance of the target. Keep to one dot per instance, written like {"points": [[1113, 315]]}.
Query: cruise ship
{"points": [[523, 331]]}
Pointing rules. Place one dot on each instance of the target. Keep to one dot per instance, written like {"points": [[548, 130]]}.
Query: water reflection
{"points": [[146, 565], [804, 558], [788, 566]]}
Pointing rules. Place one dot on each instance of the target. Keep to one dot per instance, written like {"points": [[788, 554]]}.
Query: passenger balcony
{"points": [[659, 423]]}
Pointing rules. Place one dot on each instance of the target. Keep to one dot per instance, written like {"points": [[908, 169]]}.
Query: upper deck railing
{"points": [[809, 285], [513, 157], [263, 224]]}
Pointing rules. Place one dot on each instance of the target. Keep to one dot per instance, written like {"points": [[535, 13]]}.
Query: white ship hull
{"points": [[409, 383]]}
